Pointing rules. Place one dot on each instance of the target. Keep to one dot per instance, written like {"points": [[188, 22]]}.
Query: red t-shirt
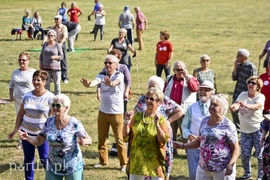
{"points": [[265, 90], [74, 14], [163, 51]]}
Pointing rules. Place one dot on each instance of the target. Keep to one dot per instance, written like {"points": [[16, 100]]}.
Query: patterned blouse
{"points": [[215, 152], [208, 75], [65, 156], [144, 147]]}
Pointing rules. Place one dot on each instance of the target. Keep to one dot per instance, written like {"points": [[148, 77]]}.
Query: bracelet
{"points": [[127, 122]]}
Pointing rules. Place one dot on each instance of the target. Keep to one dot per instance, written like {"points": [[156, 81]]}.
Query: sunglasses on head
{"points": [[251, 82], [57, 105], [23, 60], [110, 63], [179, 70], [151, 99]]}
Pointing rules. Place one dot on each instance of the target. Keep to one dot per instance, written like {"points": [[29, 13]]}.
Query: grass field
{"points": [[214, 27]]}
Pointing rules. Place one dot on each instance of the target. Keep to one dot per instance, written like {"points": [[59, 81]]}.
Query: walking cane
{"points": [[138, 78], [259, 67]]}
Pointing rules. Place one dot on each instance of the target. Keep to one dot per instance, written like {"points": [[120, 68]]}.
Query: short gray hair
{"points": [[223, 100], [158, 81], [51, 31], [204, 56], [112, 57], [64, 99], [178, 63], [123, 30], [244, 52]]}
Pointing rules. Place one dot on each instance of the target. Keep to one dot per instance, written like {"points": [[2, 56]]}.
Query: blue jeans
{"points": [[37, 29], [193, 156], [29, 155], [249, 140], [159, 69]]}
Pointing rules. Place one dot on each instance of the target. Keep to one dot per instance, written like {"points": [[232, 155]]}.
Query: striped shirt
{"points": [[36, 111]]}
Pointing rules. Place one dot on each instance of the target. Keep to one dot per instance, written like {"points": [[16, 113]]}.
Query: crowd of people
{"points": [[185, 102]]}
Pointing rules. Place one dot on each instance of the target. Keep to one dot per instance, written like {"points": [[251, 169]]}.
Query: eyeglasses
{"points": [[23, 60], [110, 63], [151, 99], [179, 70], [56, 19], [251, 82], [50, 35], [205, 60], [57, 105]]}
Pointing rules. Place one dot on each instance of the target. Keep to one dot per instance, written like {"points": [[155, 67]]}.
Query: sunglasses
{"points": [[57, 105], [23, 60], [110, 63], [179, 70], [56, 19], [205, 60], [151, 99], [251, 82]]}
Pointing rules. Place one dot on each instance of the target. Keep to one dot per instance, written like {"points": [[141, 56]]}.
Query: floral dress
{"points": [[208, 75], [145, 148], [216, 152], [65, 156]]}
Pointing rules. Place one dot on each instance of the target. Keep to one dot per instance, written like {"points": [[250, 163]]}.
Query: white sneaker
{"points": [[98, 165], [66, 81], [123, 168]]}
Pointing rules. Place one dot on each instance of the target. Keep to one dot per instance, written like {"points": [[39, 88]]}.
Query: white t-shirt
{"points": [[100, 20], [112, 98], [250, 119]]}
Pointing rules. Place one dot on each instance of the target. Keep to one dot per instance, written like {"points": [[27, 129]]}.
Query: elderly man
{"points": [[126, 20], [182, 88], [110, 111], [243, 69], [141, 23], [191, 123]]}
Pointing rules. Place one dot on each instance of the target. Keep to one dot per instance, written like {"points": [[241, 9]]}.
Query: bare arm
{"points": [[235, 154], [18, 122], [84, 141], [86, 83], [34, 140], [11, 91], [176, 114]]}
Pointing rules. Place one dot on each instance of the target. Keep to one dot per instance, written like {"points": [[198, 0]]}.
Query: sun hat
{"points": [[207, 84]]}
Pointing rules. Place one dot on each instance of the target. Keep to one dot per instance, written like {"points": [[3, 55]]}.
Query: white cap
{"points": [[58, 17]]}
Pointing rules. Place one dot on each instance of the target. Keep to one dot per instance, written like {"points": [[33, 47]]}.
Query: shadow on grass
{"points": [[8, 143], [4, 167], [178, 178], [77, 50]]}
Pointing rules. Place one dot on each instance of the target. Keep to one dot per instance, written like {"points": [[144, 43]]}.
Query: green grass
{"points": [[214, 27]]}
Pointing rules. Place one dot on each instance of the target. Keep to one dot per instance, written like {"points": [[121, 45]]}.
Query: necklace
{"points": [[145, 121]]}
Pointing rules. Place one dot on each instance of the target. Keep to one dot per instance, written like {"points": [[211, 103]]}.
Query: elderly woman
{"points": [[31, 118], [204, 72], [168, 108], [100, 22], [63, 133], [164, 54], [123, 45], [148, 132], [21, 82], [37, 23], [218, 143], [250, 105], [27, 24], [111, 110], [50, 57]]}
